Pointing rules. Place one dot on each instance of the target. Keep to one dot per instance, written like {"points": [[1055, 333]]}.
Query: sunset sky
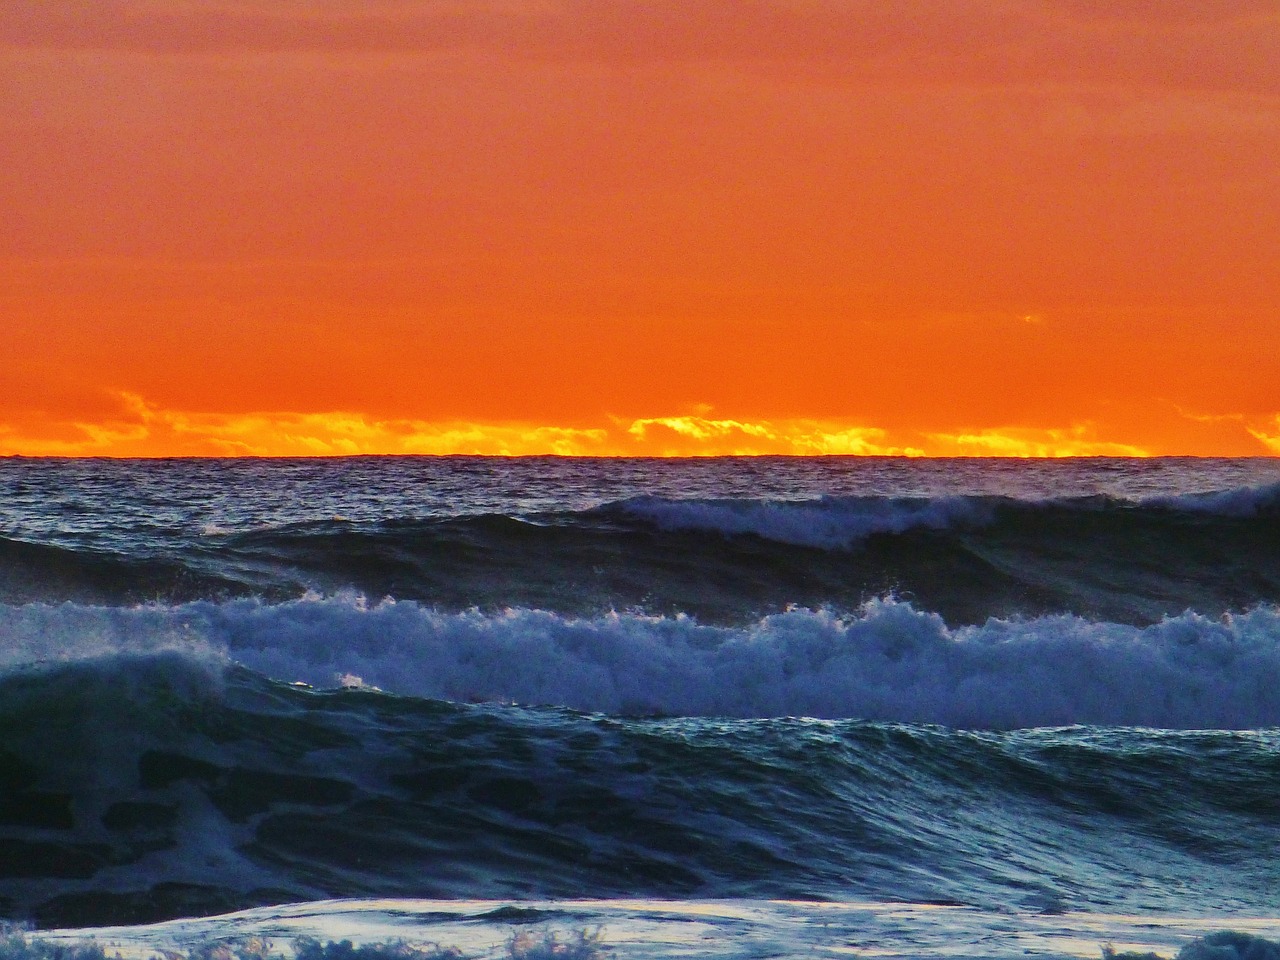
{"points": [[665, 227]]}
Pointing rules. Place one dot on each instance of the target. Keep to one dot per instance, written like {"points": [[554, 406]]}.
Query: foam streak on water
{"points": [[692, 929]]}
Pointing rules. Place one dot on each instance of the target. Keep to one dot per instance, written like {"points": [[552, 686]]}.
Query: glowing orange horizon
{"points": [[144, 430]]}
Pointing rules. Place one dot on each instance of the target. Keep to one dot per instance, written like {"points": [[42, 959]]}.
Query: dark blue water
{"points": [[1054, 685]]}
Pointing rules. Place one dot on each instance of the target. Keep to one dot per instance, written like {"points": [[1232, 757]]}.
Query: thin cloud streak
{"points": [[1231, 46], [1264, 436], [1079, 440]]}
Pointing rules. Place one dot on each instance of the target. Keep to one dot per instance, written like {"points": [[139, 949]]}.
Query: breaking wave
{"points": [[887, 661]]}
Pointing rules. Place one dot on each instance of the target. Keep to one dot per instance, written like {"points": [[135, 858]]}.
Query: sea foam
{"points": [[886, 661]]}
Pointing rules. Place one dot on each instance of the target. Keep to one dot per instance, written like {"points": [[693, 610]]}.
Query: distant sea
{"points": [[739, 707]]}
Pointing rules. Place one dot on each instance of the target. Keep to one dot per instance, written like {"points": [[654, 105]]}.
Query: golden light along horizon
{"points": [[143, 430], [992, 229]]}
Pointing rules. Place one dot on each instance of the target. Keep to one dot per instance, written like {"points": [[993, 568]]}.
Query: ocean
{"points": [[739, 707]]}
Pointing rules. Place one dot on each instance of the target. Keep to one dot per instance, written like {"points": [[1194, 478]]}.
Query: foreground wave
{"points": [[144, 786]]}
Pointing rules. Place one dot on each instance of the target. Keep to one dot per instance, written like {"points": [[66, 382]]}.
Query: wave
{"points": [[151, 785], [1255, 501], [840, 523], [63, 571], [889, 661], [724, 561], [826, 522]]}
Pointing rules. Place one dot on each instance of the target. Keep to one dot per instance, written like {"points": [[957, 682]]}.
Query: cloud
{"points": [[1076, 441], [145, 429], [1265, 430], [698, 428], [1233, 44], [141, 428], [349, 434], [701, 436], [1164, 13], [1268, 439]]}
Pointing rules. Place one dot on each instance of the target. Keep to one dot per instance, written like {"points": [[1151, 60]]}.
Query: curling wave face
{"points": [[141, 786]]}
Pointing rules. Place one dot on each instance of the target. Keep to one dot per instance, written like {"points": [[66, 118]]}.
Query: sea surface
{"points": [[742, 707]]}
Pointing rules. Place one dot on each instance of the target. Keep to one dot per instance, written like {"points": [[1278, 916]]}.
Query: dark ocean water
{"points": [[1004, 685]]}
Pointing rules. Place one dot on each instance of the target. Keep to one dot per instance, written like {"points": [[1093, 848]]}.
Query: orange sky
{"points": [[613, 226]]}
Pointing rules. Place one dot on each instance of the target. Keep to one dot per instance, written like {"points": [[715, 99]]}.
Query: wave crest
{"points": [[888, 661], [827, 522], [840, 522], [1238, 502]]}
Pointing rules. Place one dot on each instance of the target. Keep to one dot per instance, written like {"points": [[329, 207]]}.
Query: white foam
{"points": [[640, 929], [53, 633], [827, 522], [886, 662]]}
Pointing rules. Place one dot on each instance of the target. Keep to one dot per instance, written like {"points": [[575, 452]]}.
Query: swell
{"points": [[150, 786], [34, 571], [727, 561]]}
